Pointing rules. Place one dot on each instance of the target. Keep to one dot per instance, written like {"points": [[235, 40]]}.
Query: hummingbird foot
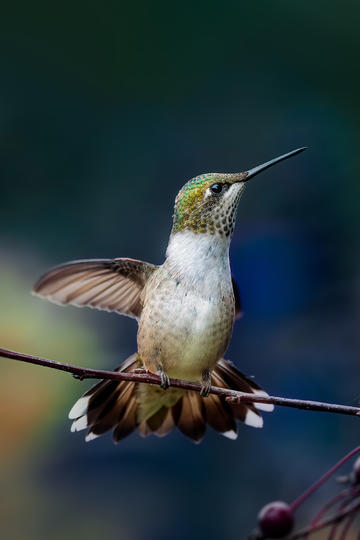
{"points": [[206, 383], [165, 379]]}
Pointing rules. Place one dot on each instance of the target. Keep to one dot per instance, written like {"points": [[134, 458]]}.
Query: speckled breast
{"points": [[185, 328]]}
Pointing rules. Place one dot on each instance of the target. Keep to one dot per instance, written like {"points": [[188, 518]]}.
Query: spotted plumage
{"points": [[185, 309], [197, 210]]}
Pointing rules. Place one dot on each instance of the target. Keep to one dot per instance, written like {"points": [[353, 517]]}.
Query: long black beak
{"points": [[256, 170]]}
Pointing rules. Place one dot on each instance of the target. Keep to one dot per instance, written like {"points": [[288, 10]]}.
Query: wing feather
{"points": [[107, 284]]}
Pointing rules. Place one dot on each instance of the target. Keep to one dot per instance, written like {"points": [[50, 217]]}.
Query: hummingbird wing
{"points": [[107, 284], [238, 306]]}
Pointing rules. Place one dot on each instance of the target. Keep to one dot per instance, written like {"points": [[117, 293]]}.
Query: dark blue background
{"points": [[106, 109]]}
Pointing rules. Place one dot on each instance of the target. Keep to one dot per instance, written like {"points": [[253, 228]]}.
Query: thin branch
{"points": [[143, 376], [335, 527], [350, 510], [324, 510], [349, 521], [315, 486]]}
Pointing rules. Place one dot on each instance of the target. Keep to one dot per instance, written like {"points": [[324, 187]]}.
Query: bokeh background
{"points": [[106, 109]]}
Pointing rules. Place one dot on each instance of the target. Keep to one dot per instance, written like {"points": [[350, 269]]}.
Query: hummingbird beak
{"points": [[256, 170]]}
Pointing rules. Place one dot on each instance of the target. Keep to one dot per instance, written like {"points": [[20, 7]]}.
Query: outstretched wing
{"points": [[107, 284]]}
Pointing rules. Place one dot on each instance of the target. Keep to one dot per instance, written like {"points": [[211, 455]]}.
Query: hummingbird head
{"points": [[208, 203]]}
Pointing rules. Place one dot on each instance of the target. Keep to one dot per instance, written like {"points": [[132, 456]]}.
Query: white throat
{"points": [[196, 255]]}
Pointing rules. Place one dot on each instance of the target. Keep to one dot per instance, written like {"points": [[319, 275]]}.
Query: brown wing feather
{"points": [[107, 284]]}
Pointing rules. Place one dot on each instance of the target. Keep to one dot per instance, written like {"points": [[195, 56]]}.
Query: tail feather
{"points": [[143, 429], [128, 420], [101, 394], [227, 376], [126, 406], [219, 415], [156, 421], [233, 376], [158, 425], [189, 416], [167, 425], [115, 412]]}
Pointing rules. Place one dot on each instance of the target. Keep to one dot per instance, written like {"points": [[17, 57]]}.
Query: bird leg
{"points": [[165, 379], [206, 383]]}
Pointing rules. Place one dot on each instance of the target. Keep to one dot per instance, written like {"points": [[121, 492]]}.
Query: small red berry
{"points": [[276, 520]]}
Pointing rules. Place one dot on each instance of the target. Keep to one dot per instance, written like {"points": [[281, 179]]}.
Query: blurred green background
{"points": [[106, 109]]}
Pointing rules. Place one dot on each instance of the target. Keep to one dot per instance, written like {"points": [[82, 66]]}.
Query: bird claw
{"points": [[165, 379], [205, 389], [206, 383]]}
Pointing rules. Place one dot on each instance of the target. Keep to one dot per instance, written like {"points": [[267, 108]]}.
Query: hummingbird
{"points": [[185, 309]]}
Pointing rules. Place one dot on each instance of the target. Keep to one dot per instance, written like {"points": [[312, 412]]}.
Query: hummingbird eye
{"points": [[217, 188]]}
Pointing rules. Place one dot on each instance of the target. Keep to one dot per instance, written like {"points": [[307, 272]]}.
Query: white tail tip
{"points": [[266, 407], [253, 419], [230, 435], [79, 408], [79, 424], [91, 436]]}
